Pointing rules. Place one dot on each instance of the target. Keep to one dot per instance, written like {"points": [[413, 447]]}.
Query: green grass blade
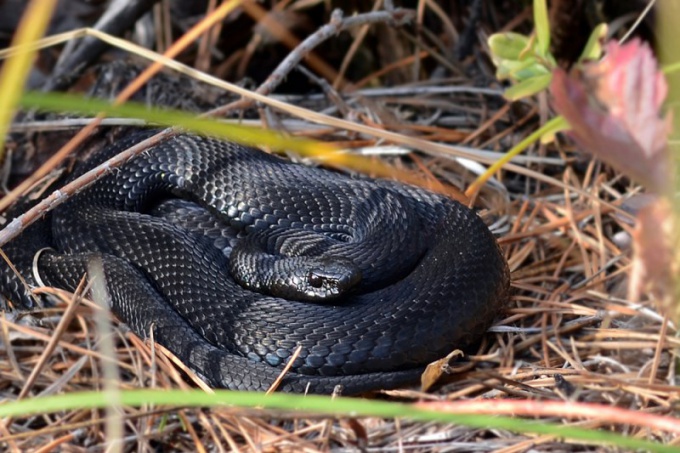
{"points": [[542, 24], [14, 73], [546, 132], [340, 407], [59, 102], [593, 49]]}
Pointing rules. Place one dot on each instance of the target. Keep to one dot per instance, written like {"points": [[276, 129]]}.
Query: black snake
{"points": [[235, 258]]}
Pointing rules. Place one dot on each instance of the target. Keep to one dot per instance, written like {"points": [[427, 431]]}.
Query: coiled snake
{"points": [[235, 258]]}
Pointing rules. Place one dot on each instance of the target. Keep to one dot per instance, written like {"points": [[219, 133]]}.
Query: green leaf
{"points": [[519, 71], [528, 87], [508, 46], [593, 48], [507, 68], [542, 24]]}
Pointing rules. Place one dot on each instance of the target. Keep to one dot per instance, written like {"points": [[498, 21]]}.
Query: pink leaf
{"points": [[614, 107]]}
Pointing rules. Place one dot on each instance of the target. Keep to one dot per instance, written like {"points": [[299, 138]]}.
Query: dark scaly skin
{"points": [[175, 279]]}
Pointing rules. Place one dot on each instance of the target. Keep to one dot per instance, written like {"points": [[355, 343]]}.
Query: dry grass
{"points": [[569, 333]]}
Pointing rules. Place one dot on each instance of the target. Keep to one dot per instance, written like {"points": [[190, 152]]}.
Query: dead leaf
{"points": [[613, 107], [435, 370], [655, 264]]}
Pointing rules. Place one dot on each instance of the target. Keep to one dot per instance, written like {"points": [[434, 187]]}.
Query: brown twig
{"points": [[337, 24], [56, 337], [16, 226]]}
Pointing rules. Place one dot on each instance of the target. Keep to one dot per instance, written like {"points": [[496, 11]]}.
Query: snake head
{"points": [[304, 278], [329, 279]]}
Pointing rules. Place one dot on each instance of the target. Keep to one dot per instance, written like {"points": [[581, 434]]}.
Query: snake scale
{"points": [[235, 258]]}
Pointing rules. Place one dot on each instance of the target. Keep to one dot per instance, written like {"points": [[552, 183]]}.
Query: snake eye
{"points": [[315, 280]]}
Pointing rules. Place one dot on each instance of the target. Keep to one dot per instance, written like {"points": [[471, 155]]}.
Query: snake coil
{"points": [[235, 258]]}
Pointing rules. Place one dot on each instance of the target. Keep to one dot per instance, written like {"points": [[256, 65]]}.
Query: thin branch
{"points": [[337, 24]]}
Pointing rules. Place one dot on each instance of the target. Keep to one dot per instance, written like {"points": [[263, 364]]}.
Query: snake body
{"points": [[234, 258]]}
